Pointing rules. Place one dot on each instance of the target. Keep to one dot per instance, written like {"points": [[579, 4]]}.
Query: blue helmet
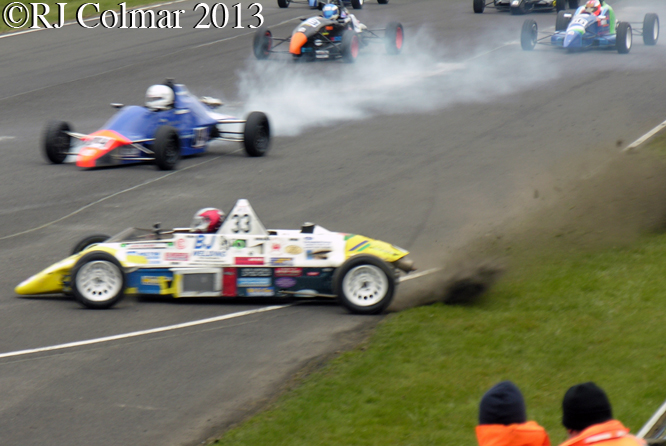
{"points": [[330, 11]]}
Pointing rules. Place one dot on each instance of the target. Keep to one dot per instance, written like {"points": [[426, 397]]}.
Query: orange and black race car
{"points": [[321, 38]]}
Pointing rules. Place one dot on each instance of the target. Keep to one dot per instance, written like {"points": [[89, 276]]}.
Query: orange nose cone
{"points": [[297, 42]]}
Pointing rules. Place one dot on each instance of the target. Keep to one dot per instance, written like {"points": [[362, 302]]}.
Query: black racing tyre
{"points": [[383, 2], [479, 6], [528, 35], [283, 3], [357, 4], [166, 148], [650, 29], [573, 4], [56, 142], [394, 38], [89, 241], [349, 47], [256, 134], [563, 20], [364, 284], [623, 38], [98, 280], [518, 10], [560, 5], [263, 42]]}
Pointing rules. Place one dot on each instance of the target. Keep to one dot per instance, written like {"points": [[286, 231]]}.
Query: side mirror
{"points": [[117, 105]]}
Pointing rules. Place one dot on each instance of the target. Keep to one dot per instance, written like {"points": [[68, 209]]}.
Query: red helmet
{"points": [[593, 7], [207, 220]]}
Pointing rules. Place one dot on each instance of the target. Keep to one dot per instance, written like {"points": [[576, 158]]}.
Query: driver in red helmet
{"points": [[605, 15], [207, 221]]}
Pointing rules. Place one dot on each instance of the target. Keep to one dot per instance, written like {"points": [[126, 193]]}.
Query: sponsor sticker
{"points": [[208, 255], [204, 242], [285, 282], [181, 243], [239, 244], [312, 243], [176, 256], [293, 249], [224, 244], [288, 272], [144, 245], [152, 258], [260, 291], [153, 280], [255, 272], [254, 281], [312, 273], [317, 254], [249, 260], [282, 261]]}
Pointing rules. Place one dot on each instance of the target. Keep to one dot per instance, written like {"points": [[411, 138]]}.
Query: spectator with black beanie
{"points": [[503, 419]]}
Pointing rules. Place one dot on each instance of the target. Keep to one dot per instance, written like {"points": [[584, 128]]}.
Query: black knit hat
{"points": [[584, 405], [502, 404]]}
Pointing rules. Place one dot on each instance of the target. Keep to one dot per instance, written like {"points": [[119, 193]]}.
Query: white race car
{"points": [[242, 259]]}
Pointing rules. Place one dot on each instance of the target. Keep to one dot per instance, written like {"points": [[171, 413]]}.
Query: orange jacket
{"points": [[523, 434], [608, 433]]}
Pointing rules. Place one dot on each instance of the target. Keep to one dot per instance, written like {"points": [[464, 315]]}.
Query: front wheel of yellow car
{"points": [[364, 284], [98, 281]]}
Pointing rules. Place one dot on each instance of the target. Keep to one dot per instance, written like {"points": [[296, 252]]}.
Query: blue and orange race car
{"points": [[160, 135], [582, 30]]}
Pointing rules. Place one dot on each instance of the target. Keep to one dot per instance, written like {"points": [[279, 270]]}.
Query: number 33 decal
{"points": [[242, 223]]}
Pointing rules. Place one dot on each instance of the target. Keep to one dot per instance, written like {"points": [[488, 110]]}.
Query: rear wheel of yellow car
{"points": [[364, 284], [98, 281]]}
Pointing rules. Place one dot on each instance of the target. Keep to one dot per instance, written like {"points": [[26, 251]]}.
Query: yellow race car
{"points": [[242, 259]]}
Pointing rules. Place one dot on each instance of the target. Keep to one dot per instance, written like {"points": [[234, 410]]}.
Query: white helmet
{"points": [[330, 11], [159, 97]]}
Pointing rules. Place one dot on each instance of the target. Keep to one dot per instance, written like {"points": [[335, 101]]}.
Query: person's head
{"points": [[593, 7], [502, 404], [159, 97], [330, 11], [585, 405], [207, 221]]}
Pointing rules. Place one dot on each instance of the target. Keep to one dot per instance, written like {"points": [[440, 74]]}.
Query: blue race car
{"points": [[318, 4], [174, 123], [583, 30]]}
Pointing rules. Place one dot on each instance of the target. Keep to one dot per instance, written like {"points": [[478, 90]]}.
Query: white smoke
{"points": [[425, 76]]}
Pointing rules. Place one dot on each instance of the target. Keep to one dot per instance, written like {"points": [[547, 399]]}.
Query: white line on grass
{"points": [[143, 332], [644, 138]]}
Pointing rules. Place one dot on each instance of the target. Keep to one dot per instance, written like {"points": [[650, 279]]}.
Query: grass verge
{"points": [[419, 379], [561, 316], [70, 10]]}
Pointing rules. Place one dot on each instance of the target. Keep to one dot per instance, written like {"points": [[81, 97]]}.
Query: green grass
{"points": [[70, 10], [547, 326]]}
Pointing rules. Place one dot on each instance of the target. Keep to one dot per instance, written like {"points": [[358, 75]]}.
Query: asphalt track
{"points": [[425, 150]]}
